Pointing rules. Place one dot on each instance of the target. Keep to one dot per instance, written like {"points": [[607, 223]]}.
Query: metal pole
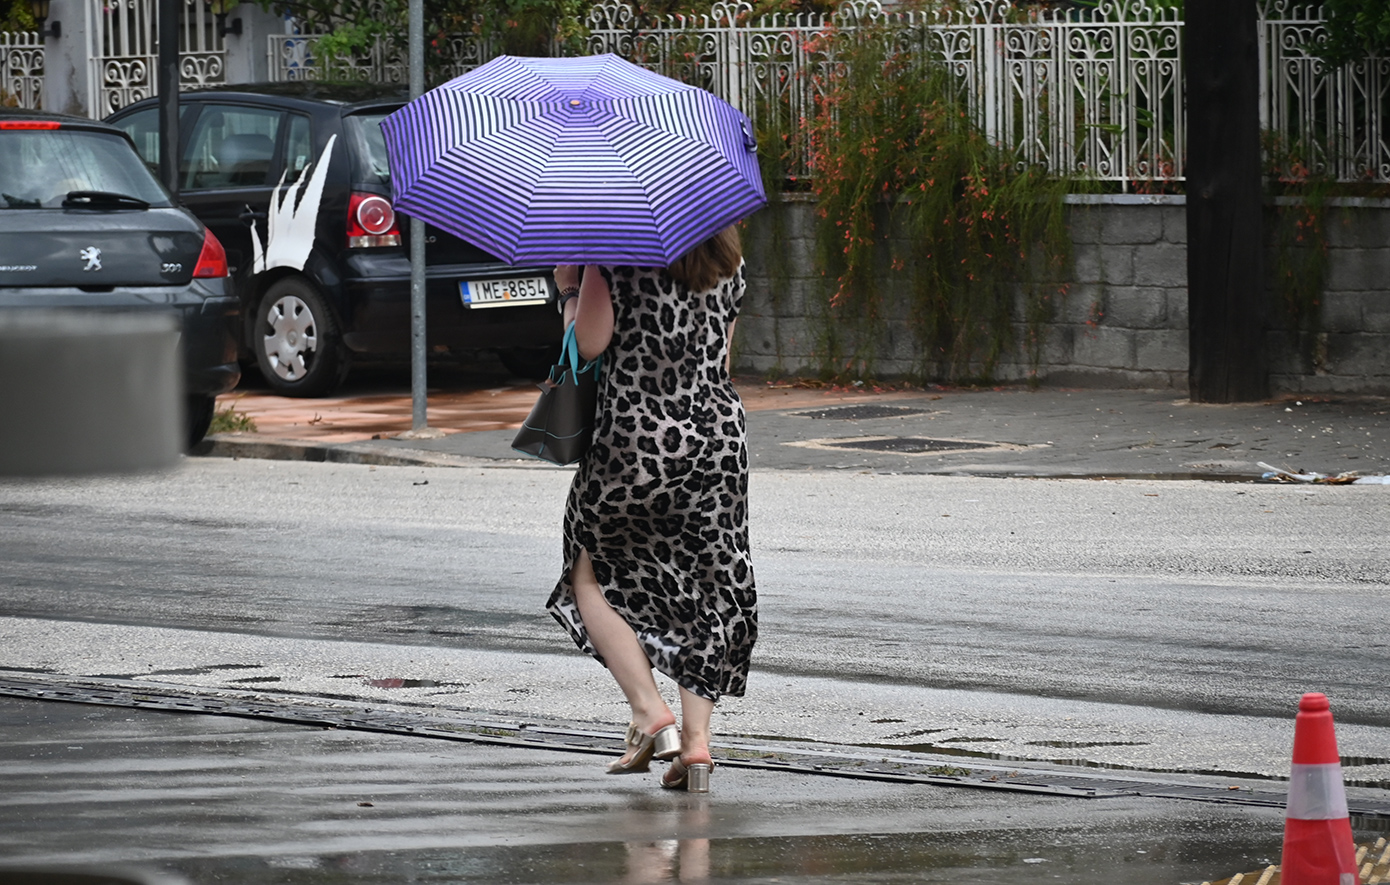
{"points": [[168, 85], [418, 354]]}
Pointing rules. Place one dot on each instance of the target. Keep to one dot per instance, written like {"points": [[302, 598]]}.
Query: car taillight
{"points": [[29, 124], [212, 261], [371, 222]]}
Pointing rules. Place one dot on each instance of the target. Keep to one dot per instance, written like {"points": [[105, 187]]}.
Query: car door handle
{"points": [[249, 216]]}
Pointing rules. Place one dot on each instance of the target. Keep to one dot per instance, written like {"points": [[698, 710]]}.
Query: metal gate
{"points": [[125, 51]]}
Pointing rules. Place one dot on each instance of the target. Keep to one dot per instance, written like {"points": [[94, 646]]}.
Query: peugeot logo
{"points": [[91, 255]]}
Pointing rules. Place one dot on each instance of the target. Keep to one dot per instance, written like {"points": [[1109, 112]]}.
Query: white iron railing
{"points": [[21, 69], [1098, 91], [1335, 120], [125, 51]]}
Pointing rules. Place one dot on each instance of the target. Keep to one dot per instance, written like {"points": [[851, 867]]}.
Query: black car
{"points": [[85, 225], [293, 179]]}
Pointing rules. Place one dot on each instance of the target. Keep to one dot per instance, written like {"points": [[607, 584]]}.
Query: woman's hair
{"points": [[713, 260]]}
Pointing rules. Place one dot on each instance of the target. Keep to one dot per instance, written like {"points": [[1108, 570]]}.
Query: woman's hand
{"points": [[566, 276]]}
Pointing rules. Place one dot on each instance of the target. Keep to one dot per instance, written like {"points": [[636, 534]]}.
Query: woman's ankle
{"points": [[651, 723]]}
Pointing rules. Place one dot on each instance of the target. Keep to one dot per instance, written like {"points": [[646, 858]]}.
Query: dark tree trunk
{"points": [[1225, 247]]}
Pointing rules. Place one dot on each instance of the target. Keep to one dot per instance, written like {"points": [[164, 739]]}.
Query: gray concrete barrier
{"points": [[88, 392]]}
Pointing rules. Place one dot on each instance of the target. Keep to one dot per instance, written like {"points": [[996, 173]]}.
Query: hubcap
{"points": [[293, 334]]}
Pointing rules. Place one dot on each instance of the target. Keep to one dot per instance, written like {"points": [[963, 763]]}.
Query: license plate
{"points": [[504, 293]]}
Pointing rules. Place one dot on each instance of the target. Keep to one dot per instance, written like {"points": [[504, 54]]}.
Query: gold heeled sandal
{"points": [[693, 778], [642, 748]]}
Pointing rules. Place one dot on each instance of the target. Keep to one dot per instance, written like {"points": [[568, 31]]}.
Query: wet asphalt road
{"points": [[217, 799], [1157, 625]]}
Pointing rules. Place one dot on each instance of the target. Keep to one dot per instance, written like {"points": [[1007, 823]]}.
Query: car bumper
{"points": [[377, 319]]}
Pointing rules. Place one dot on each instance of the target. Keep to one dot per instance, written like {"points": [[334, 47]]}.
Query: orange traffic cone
{"points": [[1318, 847]]}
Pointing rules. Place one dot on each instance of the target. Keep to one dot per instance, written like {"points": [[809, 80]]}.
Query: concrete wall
{"points": [[1123, 322]]}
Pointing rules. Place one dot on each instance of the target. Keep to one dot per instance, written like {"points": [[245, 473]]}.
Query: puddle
{"points": [[393, 682], [972, 740], [1135, 853], [1082, 745], [203, 671]]}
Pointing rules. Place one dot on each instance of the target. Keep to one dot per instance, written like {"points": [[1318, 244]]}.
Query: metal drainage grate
{"points": [[912, 445], [860, 413]]}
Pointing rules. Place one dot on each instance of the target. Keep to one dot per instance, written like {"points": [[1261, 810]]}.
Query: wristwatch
{"points": [[565, 295]]}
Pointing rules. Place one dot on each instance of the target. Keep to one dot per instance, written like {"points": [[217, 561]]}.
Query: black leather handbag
{"points": [[561, 424]]}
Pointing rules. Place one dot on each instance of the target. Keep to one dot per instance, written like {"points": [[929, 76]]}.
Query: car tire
{"points": [[298, 346], [200, 410], [532, 363]]}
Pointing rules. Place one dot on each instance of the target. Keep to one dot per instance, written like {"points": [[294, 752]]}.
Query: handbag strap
{"points": [[569, 353]]}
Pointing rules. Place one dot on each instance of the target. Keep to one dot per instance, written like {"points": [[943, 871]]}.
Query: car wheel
{"points": [[298, 347], [199, 416], [530, 362]]}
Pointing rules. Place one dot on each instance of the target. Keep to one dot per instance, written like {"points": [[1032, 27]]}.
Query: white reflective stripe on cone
{"points": [[1316, 792]]}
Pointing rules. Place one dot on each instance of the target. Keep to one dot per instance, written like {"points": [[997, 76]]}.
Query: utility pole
{"points": [[167, 83], [1226, 297], [419, 354]]}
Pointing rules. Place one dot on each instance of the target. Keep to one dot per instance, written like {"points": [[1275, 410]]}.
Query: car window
{"points": [[230, 147], [39, 167], [299, 147], [369, 164], [143, 129]]}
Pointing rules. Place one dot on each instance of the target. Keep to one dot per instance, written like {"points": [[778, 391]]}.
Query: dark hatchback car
{"points": [[85, 225], [293, 178]]}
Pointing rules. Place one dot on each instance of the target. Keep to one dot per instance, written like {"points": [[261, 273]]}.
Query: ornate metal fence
{"points": [[1096, 91], [21, 69], [125, 51], [1334, 121]]}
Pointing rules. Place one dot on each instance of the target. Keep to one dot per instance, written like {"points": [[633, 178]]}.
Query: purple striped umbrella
{"points": [[587, 160]]}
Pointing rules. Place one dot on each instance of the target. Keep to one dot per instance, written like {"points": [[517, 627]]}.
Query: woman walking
{"points": [[656, 563]]}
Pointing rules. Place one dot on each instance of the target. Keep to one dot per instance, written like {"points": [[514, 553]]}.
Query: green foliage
{"points": [[15, 15], [904, 177], [1299, 233], [229, 420], [351, 28], [1355, 29]]}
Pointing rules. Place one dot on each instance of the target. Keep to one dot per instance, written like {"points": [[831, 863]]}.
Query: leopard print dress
{"points": [[660, 499]]}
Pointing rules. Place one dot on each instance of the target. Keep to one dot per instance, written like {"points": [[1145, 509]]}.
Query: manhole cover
{"points": [[858, 413], [911, 445], [907, 445]]}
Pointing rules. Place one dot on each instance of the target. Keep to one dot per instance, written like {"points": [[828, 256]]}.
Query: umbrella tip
{"points": [[574, 102]]}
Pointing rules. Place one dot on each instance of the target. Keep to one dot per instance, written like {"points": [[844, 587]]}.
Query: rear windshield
{"points": [[39, 167], [370, 166]]}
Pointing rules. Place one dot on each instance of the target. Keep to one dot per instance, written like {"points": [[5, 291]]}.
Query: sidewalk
{"points": [[1007, 431]]}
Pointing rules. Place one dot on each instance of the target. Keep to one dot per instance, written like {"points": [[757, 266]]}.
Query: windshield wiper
{"points": [[102, 200], [14, 202]]}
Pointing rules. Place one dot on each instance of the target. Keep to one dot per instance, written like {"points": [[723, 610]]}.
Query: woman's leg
{"points": [[614, 639], [695, 716]]}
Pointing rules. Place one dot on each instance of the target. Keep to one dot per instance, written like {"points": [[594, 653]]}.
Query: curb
{"points": [[251, 445]]}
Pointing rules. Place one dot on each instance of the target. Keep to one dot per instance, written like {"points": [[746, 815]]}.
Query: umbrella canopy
{"points": [[589, 160]]}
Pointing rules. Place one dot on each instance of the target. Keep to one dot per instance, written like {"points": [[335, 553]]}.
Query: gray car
{"points": [[85, 225]]}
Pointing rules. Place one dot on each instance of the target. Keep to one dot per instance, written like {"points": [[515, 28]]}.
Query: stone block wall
{"points": [[1123, 320]]}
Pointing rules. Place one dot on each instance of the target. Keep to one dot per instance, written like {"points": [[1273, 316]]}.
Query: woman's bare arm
{"points": [[591, 312]]}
